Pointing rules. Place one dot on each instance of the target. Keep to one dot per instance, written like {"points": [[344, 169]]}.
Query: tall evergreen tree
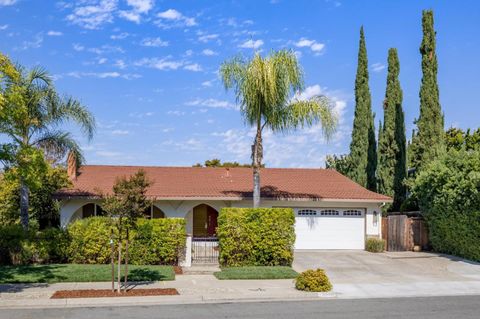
{"points": [[428, 141], [363, 146], [392, 168]]}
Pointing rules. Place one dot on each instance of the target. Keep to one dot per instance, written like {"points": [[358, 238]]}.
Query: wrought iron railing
{"points": [[205, 250]]}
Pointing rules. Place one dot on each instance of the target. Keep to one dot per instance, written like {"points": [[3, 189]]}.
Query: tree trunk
{"points": [[126, 263], [112, 259], [24, 198], [119, 273], [257, 156]]}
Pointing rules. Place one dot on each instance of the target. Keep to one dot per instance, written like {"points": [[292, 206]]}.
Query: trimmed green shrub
{"points": [[158, 242], [375, 245], [154, 242], [448, 193], [256, 237], [90, 241], [18, 247], [313, 280]]}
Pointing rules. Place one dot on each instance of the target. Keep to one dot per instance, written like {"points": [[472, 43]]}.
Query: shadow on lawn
{"points": [[144, 274], [27, 276]]}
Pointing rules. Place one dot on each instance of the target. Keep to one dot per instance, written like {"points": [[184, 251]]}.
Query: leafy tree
{"points": [[31, 119], [454, 138], [392, 169], [472, 140], [215, 162], [448, 194], [428, 141], [43, 208], [127, 203], [340, 163], [363, 145], [264, 89]]}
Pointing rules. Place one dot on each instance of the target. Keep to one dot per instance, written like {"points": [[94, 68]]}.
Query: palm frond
{"points": [[56, 144]]}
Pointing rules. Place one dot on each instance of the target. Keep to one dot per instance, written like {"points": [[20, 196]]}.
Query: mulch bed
{"points": [[178, 270], [99, 293]]}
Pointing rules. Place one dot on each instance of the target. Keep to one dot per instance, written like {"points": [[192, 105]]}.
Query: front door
{"points": [[204, 221], [212, 216]]}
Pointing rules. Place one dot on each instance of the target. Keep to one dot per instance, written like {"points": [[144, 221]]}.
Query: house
{"points": [[332, 212]]}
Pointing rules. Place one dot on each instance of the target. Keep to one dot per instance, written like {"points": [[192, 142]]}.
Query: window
{"points": [[352, 212], [307, 212], [329, 212]]}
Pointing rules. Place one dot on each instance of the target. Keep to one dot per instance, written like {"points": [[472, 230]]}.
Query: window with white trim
{"points": [[307, 212], [352, 212], [329, 212]]}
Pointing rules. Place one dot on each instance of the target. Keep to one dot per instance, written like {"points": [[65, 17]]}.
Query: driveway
{"points": [[360, 273]]}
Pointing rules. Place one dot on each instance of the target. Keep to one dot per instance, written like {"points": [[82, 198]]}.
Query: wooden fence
{"points": [[402, 233]]}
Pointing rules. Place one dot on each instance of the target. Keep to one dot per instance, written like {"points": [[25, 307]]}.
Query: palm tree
{"points": [[33, 117], [267, 90]]}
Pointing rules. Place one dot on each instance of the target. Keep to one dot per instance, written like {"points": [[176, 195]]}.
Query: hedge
{"points": [[448, 193], [19, 247], [154, 242], [87, 241], [158, 242], [313, 280], [256, 236]]}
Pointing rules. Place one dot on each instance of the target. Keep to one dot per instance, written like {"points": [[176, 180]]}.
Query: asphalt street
{"points": [[429, 307]]}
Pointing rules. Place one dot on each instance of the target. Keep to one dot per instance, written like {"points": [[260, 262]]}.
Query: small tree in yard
{"points": [[127, 203]]}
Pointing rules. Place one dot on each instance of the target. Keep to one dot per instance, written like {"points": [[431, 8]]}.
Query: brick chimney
{"points": [[72, 166]]}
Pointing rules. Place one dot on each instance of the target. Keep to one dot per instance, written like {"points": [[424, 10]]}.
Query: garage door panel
{"points": [[330, 232]]}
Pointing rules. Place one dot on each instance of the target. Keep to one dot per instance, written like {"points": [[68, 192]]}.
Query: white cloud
{"points": [[108, 154], [173, 18], [195, 67], [377, 67], [103, 75], [207, 83], [93, 14], [3, 27], [209, 52], [130, 16], [141, 6], [7, 2], [188, 53], [78, 47], [120, 132], [35, 43], [153, 42], [176, 113], [207, 37], [54, 33], [119, 36], [120, 64], [159, 63], [141, 115], [250, 44], [312, 44], [212, 103]]}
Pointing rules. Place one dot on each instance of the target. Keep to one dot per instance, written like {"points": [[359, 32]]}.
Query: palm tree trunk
{"points": [[257, 155], [24, 198]]}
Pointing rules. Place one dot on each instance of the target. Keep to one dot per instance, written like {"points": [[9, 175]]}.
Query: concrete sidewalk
{"points": [[207, 289]]}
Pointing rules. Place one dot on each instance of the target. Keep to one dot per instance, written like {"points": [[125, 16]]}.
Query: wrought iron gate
{"points": [[205, 250]]}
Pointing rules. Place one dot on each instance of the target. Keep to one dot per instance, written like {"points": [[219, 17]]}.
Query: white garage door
{"points": [[329, 228]]}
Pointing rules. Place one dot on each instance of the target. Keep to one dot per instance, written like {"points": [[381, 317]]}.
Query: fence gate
{"points": [[399, 233], [205, 250]]}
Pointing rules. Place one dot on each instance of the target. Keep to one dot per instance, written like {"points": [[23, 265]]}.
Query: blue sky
{"points": [[148, 69]]}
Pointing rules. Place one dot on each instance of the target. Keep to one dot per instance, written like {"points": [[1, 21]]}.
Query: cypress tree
{"points": [[363, 152], [428, 141], [392, 168]]}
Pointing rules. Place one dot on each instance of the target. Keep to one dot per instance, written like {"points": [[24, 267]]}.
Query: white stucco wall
{"points": [[184, 209]]}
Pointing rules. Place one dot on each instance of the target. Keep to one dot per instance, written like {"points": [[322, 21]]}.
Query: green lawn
{"points": [[80, 273], [256, 272]]}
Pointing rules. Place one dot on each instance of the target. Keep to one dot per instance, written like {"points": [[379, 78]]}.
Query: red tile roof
{"points": [[232, 183]]}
